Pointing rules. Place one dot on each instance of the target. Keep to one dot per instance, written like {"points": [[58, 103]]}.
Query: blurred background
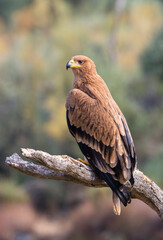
{"points": [[37, 38]]}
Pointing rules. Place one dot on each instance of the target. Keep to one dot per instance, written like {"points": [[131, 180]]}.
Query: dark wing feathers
{"points": [[95, 157], [104, 130], [86, 139]]}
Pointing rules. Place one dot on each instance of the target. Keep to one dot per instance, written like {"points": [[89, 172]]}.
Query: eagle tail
{"points": [[116, 204], [115, 186]]}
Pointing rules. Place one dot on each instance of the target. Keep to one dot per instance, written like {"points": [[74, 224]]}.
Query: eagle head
{"points": [[81, 64]]}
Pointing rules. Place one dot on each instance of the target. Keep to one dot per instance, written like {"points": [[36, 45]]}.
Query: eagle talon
{"points": [[83, 161]]}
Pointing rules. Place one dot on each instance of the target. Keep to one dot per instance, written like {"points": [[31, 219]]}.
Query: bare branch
{"points": [[65, 168]]}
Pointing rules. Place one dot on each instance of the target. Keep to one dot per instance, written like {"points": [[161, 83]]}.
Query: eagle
{"points": [[100, 129]]}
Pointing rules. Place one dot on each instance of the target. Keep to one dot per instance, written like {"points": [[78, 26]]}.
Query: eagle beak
{"points": [[68, 65], [72, 64]]}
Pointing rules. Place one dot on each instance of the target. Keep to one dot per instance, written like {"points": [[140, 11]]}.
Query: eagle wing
{"points": [[102, 135]]}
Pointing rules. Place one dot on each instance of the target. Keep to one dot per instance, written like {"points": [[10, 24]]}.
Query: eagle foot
{"points": [[83, 161]]}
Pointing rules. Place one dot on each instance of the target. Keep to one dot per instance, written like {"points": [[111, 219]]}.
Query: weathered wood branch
{"points": [[65, 168]]}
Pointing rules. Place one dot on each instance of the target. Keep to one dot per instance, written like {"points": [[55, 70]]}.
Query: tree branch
{"points": [[65, 168]]}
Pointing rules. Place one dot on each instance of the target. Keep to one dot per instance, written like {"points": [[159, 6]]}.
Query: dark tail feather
{"points": [[132, 181], [115, 187]]}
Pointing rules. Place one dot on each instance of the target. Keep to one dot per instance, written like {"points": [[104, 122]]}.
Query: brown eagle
{"points": [[100, 129]]}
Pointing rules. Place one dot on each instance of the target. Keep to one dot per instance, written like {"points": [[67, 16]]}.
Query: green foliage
{"points": [[11, 192], [7, 7], [94, 5], [153, 166], [34, 83], [152, 58]]}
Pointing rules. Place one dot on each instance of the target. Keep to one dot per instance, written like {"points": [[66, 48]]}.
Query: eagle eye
{"points": [[80, 61]]}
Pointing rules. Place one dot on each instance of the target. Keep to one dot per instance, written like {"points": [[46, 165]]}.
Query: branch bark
{"points": [[65, 168]]}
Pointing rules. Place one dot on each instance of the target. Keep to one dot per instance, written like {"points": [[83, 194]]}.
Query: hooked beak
{"points": [[72, 64], [68, 65]]}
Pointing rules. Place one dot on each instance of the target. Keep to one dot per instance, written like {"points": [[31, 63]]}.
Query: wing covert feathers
{"points": [[104, 129]]}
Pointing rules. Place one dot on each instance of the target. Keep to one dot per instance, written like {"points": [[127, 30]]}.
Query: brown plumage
{"points": [[100, 129]]}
